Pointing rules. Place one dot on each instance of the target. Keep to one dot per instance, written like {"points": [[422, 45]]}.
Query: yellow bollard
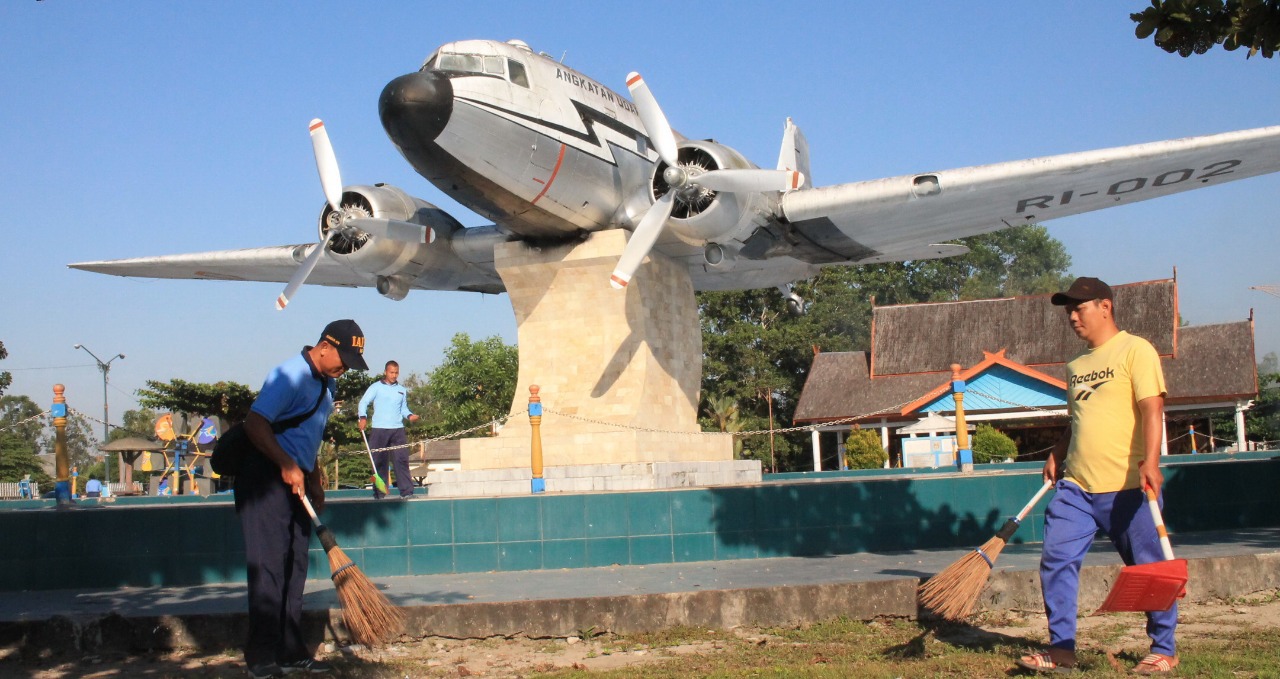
{"points": [[62, 461], [1191, 432], [964, 455], [539, 484]]}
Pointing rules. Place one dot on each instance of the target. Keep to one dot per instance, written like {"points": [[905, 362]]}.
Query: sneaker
{"points": [[308, 666], [266, 671]]}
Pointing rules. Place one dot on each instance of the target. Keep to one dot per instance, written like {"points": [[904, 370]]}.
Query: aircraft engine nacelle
{"points": [[395, 264], [702, 216]]}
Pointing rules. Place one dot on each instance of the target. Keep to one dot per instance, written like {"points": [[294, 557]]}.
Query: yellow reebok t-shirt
{"points": [[1104, 385]]}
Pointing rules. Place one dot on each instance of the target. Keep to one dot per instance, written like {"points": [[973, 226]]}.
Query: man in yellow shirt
{"points": [[1115, 395]]}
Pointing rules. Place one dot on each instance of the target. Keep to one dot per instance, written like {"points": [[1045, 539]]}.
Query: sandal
{"points": [[1044, 663], [1156, 663]]}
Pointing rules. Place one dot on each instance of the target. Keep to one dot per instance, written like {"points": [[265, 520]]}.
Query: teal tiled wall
{"points": [[162, 541]]}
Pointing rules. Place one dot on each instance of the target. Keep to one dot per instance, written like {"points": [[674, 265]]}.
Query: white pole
{"points": [[817, 450], [1164, 433], [884, 439], [1240, 443]]}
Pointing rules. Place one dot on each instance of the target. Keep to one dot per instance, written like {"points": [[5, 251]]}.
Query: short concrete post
{"points": [[539, 484], [964, 455], [62, 461]]}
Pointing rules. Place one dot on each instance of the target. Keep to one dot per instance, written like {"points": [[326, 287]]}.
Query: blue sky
{"points": [[148, 128]]}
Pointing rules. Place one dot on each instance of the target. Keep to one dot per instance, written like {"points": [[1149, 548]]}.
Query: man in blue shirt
{"points": [[286, 425], [93, 488], [390, 408]]}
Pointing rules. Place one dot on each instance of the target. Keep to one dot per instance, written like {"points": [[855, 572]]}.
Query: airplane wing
{"points": [[875, 220], [273, 264]]}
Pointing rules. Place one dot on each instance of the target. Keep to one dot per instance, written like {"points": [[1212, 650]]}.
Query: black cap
{"points": [[1082, 290], [349, 339]]}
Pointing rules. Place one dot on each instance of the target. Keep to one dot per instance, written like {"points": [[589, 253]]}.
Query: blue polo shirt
{"points": [[390, 405], [290, 390]]}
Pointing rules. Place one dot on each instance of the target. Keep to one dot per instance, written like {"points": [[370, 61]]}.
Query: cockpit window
{"points": [[470, 63], [518, 75]]}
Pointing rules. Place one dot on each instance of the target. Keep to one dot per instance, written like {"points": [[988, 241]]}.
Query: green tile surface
{"points": [[145, 542], [607, 515]]}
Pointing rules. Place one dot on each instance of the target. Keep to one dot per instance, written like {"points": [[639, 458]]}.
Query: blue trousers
{"points": [[1071, 521], [397, 458]]}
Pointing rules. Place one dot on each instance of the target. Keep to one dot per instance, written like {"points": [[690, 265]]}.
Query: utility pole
{"points": [[105, 368]]}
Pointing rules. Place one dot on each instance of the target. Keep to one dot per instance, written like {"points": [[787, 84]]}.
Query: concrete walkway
{"points": [[722, 594]]}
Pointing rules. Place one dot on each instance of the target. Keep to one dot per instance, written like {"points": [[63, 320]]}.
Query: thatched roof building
{"points": [[1017, 347]]}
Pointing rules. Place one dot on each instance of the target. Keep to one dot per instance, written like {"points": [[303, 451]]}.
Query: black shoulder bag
{"points": [[234, 445]]}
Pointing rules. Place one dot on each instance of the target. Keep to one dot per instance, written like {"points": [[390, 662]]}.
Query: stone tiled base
{"points": [[595, 477]]}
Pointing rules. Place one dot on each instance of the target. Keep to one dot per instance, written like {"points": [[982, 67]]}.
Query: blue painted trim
{"points": [[539, 485], [535, 410], [957, 386], [58, 410]]}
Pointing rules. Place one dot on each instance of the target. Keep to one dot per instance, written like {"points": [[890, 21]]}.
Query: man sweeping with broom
{"points": [[1115, 394], [286, 424]]}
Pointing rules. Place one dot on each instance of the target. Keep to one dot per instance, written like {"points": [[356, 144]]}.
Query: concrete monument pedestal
{"points": [[619, 372]]}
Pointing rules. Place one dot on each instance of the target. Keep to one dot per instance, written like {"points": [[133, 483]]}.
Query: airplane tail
{"points": [[795, 152]]}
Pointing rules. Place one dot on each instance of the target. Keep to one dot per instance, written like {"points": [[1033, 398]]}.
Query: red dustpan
{"points": [[1152, 586]]}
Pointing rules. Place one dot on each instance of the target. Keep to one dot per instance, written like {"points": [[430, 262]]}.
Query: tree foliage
{"points": [[475, 383], [992, 445], [5, 378], [343, 434], [19, 440], [136, 423], [227, 400], [755, 353], [82, 445], [862, 450], [1189, 27], [1262, 421]]}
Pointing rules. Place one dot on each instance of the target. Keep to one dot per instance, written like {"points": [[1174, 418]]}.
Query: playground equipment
{"points": [[183, 435]]}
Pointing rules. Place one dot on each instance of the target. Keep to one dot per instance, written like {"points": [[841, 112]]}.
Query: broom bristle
{"points": [[953, 592], [369, 616]]}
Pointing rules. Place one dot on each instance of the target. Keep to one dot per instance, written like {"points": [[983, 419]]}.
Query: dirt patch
{"points": [[519, 657]]}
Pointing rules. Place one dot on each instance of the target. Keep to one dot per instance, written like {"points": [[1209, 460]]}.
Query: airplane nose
{"points": [[415, 108]]}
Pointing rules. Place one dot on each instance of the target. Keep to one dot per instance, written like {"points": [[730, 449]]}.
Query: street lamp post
{"points": [[105, 368]]}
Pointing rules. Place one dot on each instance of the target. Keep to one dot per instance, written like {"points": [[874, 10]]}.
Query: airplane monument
{"points": [[601, 211]]}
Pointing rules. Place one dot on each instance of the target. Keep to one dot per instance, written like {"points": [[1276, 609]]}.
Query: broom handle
{"points": [[1011, 526], [310, 510], [1154, 506], [1027, 509], [370, 451]]}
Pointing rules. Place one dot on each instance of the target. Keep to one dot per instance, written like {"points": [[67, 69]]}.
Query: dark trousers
{"points": [[277, 532], [397, 458]]}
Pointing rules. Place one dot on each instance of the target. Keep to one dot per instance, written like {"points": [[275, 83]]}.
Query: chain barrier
{"points": [[19, 423], [757, 432], [87, 416], [490, 424]]}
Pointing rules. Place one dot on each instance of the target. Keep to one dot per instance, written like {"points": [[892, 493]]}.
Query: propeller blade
{"points": [[748, 181], [327, 165], [655, 123], [300, 276], [642, 240], [405, 232]]}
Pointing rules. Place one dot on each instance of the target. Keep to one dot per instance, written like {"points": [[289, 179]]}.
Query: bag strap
{"points": [[282, 425]]}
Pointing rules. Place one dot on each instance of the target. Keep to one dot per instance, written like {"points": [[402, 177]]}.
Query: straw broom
{"points": [[953, 592], [370, 618]]}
